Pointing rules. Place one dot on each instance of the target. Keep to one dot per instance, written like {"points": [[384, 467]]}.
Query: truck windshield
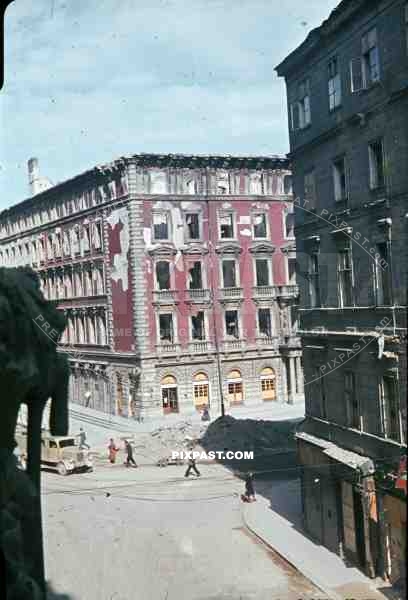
{"points": [[66, 443]]}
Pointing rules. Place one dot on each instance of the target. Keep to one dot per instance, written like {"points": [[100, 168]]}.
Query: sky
{"points": [[87, 81]]}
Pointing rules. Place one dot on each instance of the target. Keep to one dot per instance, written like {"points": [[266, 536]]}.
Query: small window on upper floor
{"points": [[334, 83], [227, 226], [161, 229], [376, 164], [260, 229], [310, 190], [287, 185], [365, 69], [300, 108], [192, 221], [289, 225], [339, 179]]}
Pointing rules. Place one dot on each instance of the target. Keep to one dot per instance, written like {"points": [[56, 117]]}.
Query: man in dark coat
{"points": [[129, 454], [192, 466], [249, 487]]}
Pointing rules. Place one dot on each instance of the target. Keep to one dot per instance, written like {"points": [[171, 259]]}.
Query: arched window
{"points": [[169, 394], [98, 281], [101, 330], [268, 384], [287, 184], [80, 330], [91, 329], [235, 387], [201, 391]]}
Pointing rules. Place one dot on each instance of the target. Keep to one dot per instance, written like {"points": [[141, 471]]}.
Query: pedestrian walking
{"points": [[206, 415], [249, 488], [112, 451], [192, 466], [129, 454], [82, 439]]}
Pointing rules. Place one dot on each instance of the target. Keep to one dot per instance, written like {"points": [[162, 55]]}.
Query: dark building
{"points": [[347, 89]]}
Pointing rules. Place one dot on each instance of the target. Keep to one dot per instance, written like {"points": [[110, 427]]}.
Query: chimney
{"points": [[36, 183]]}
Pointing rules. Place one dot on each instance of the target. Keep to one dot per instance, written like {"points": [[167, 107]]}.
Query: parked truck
{"points": [[57, 452]]}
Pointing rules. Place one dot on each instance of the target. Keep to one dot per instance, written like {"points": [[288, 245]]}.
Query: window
{"points": [[319, 394], [268, 384], [291, 271], [161, 226], [370, 58], [345, 276], [300, 109], [382, 276], [352, 405], [163, 275], [229, 273], [192, 226], [235, 387], [289, 224], [287, 185], [227, 226], [195, 277], [339, 179], [201, 390], [197, 326], [389, 404], [309, 189], [334, 84], [231, 323], [264, 322], [262, 271], [166, 328], [314, 280], [259, 225], [376, 164]]}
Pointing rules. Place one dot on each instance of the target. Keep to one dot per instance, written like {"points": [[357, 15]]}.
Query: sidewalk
{"points": [[323, 568]]}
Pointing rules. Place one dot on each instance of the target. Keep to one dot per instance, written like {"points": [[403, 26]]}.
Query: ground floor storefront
{"points": [[345, 511], [153, 388]]}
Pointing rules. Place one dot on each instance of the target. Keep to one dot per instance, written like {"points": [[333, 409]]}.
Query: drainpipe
{"points": [[215, 331]]}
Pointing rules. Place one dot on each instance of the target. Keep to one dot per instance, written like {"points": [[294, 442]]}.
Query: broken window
{"points": [[193, 226], [376, 164], [231, 323], [229, 273], [262, 271], [339, 179], [290, 224], [292, 271], [259, 221], [345, 276], [390, 409], [382, 276], [334, 83], [197, 326], [351, 401], [166, 327], [264, 322], [227, 226], [195, 277], [163, 275], [161, 226]]}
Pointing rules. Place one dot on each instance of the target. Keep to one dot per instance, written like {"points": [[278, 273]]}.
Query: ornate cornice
{"points": [[262, 248], [162, 250], [228, 248]]}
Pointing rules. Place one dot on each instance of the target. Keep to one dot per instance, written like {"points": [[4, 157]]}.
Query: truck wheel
{"points": [[62, 469]]}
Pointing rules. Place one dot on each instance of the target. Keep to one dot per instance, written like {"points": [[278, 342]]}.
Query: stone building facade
{"points": [[176, 274], [347, 92]]}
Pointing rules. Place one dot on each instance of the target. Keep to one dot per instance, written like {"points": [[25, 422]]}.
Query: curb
{"points": [[330, 595]]}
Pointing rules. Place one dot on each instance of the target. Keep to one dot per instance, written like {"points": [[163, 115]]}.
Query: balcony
{"points": [[165, 296], [168, 348], [287, 291], [231, 293], [264, 291], [199, 347], [198, 295], [232, 345], [267, 342]]}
